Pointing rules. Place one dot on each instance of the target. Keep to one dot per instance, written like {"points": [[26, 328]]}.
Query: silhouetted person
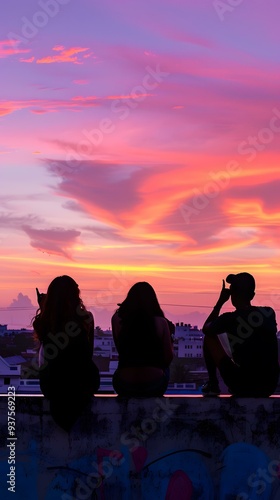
{"points": [[68, 376], [142, 337], [253, 370]]}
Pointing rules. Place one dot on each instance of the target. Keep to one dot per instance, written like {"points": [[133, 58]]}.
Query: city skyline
{"points": [[139, 141]]}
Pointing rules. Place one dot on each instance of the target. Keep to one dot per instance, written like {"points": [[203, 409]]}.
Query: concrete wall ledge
{"points": [[138, 448]]}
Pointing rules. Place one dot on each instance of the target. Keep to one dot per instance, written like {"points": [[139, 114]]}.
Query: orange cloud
{"points": [[48, 105], [142, 205], [66, 55], [252, 211], [40, 106]]}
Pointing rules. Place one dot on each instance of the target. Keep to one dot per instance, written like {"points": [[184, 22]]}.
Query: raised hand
{"points": [[40, 297], [225, 294]]}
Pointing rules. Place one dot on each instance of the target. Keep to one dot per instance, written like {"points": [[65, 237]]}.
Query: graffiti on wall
{"points": [[244, 473]]}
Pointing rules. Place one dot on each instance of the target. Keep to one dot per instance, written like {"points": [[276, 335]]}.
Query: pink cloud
{"points": [[10, 48], [9, 220], [86, 56], [30, 60], [40, 111], [57, 241], [81, 82], [22, 302]]}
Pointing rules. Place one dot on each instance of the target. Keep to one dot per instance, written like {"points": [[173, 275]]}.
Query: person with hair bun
{"points": [[143, 338]]}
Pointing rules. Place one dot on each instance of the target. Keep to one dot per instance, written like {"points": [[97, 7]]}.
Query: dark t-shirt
{"points": [[252, 337]]}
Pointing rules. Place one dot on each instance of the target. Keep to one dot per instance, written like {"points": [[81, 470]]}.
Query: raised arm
{"points": [[224, 296]]}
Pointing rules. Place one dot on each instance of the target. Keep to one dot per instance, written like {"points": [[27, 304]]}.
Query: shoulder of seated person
{"points": [[160, 321], [268, 309], [116, 314], [116, 320]]}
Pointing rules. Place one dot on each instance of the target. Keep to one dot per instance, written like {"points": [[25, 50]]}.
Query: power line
{"points": [[14, 309]]}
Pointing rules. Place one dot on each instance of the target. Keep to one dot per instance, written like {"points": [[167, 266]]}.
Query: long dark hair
{"points": [[62, 303], [142, 299]]}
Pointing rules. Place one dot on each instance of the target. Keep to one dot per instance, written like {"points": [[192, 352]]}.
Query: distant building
{"points": [[103, 346], [9, 375], [185, 329], [5, 331], [15, 360], [189, 340]]}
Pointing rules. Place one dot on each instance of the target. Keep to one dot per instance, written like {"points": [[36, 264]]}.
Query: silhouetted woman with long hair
{"points": [[142, 337], [68, 376]]}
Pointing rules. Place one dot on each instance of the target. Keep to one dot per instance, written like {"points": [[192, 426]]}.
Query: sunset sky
{"points": [[139, 141]]}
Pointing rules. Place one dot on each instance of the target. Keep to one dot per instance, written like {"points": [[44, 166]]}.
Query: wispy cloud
{"points": [[10, 48], [29, 60], [65, 55], [46, 105], [81, 82], [52, 240], [57, 241]]}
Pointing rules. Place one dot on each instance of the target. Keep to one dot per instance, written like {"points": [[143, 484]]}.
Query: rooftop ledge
{"points": [[156, 448]]}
